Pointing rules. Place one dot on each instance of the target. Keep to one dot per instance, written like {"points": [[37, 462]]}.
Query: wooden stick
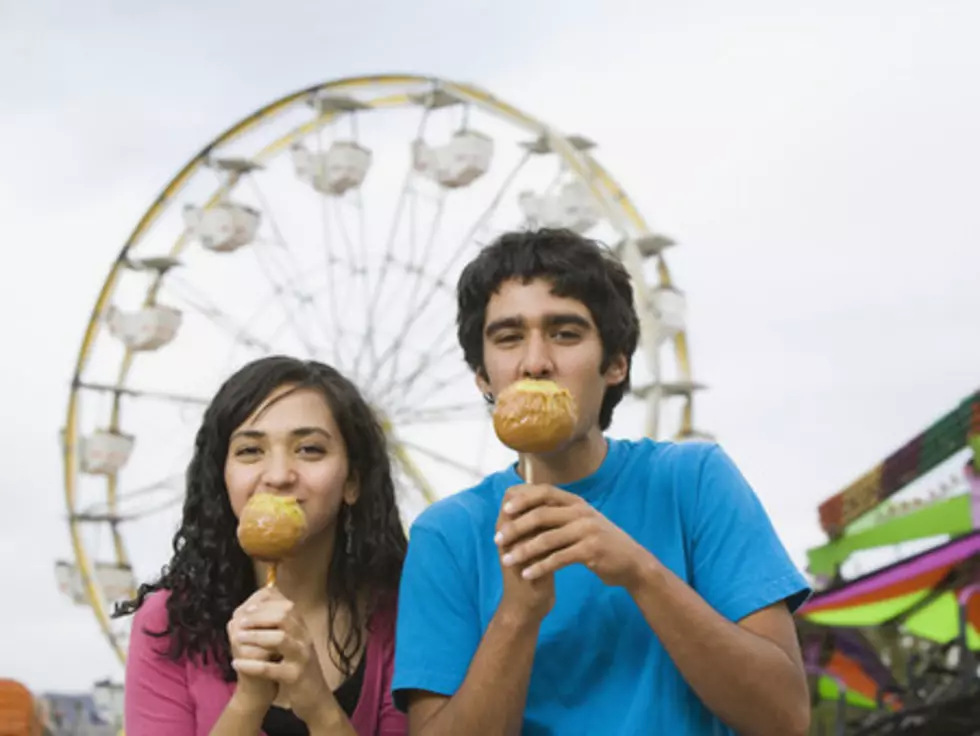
{"points": [[270, 575], [528, 476]]}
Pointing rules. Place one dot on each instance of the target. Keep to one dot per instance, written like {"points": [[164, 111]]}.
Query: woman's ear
{"points": [[352, 490]]}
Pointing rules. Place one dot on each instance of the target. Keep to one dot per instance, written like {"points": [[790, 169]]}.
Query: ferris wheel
{"points": [[333, 223]]}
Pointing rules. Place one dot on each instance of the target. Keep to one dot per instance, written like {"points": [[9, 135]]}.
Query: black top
{"points": [[283, 722]]}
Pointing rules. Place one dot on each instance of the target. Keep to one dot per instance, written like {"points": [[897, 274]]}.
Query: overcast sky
{"points": [[816, 162]]}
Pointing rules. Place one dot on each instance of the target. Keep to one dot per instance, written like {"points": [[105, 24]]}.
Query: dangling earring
{"points": [[349, 529], [488, 397]]}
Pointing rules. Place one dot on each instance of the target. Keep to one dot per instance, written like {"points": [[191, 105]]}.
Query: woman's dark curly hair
{"points": [[209, 575]]}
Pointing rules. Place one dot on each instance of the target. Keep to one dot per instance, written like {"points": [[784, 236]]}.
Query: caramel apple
{"points": [[269, 529], [534, 416]]}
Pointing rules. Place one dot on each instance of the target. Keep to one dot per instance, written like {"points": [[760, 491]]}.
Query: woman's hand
{"points": [[251, 693], [288, 658]]}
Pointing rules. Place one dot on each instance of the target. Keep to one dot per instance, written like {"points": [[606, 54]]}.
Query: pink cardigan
{"points": [[166, 698]]}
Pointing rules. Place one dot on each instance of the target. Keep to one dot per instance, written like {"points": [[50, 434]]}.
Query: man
{"points": [[635, 588]]}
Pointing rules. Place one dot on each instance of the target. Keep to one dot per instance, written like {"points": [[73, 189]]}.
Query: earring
{"points": [[349, 529], [488, 397]]}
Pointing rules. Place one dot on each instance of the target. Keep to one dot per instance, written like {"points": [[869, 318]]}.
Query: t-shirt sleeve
{"points": [[158, 702], [438, 628], [739, 565]]}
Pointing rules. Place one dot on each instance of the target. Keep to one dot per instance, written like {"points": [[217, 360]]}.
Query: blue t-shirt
{"points": [[598, 667]]}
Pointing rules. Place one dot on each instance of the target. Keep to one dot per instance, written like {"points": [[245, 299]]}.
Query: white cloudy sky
{"points": [[817, 162]]}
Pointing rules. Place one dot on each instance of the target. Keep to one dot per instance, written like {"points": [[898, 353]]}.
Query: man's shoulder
{"points": [[664, 457], [471, 508]]}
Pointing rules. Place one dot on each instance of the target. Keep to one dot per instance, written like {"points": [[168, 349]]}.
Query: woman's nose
{"points": [[279, 471]]}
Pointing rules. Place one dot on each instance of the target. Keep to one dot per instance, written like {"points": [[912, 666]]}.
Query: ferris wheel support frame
{"points": [[616, 205]]}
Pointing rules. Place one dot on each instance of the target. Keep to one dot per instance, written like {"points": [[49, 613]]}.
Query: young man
{"points": [[637, 587]]}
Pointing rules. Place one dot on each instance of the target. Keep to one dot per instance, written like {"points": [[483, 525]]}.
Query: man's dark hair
{"points": [[577, 268]]}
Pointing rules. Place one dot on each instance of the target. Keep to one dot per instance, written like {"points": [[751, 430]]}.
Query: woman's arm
{"points": [[240, 718], [157, 701]]}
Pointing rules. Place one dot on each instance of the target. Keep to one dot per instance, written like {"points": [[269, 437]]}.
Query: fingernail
{"points": [[527, 573], [498, 537], [508, 559], [508, 507]]}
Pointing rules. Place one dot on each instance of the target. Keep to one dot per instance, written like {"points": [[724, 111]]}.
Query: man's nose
{"points": [[537, 361]]}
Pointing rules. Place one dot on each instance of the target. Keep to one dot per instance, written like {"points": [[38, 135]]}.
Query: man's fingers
{"points": [[519, 499], [533, 522], [577, 553], [540, 546]]}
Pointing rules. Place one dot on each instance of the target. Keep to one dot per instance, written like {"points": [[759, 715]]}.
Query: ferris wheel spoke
{"points": [[118, 512], [443, 459], [418, 268], [398, 390], [439, 280], [386, 261], [407, 191], [439, 350], [214, 314], [461, 377], [436, 415], [330, 259], [289, 276], [138, 393]]}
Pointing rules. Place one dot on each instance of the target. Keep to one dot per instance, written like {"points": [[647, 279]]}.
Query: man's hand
{"points": [[523, 598], [543, 529]]}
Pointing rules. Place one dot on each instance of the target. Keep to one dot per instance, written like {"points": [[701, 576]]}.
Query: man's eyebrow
{"points": [[550, 320], [504, 323], [569, 318]]}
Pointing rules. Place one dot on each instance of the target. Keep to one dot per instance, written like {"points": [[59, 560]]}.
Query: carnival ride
{"points": [[894, 650], [332, 223]]}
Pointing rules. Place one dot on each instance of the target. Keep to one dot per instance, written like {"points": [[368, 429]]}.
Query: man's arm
{"points": [[492, 697], [749, 674], [454, 680]]}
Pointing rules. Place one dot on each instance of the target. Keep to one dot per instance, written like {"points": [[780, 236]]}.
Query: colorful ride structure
{"points": [[895, 650]]}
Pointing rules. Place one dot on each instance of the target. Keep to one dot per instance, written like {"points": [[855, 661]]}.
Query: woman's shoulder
{"points": [[151, 623], [152, 613]]}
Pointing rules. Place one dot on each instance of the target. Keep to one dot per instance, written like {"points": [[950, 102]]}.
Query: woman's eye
{"points": [[312, 450], [244, 451]]}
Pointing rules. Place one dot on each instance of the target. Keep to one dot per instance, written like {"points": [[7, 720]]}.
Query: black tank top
{"points": [[283, 722]]}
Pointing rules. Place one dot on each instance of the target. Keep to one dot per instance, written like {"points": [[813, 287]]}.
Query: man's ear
{"points": [[617, 370]]}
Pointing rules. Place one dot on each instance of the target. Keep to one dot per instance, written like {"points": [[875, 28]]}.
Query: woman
{"points": [[213, 651]]}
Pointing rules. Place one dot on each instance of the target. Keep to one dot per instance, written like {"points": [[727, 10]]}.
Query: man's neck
{"points": [[576, 461]]}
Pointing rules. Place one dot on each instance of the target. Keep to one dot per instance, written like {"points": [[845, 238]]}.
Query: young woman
{"points": [[215, 652]]}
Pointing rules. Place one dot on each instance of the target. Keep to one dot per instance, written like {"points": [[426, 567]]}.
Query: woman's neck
{"points": [[302, 578], [580, 459]]}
